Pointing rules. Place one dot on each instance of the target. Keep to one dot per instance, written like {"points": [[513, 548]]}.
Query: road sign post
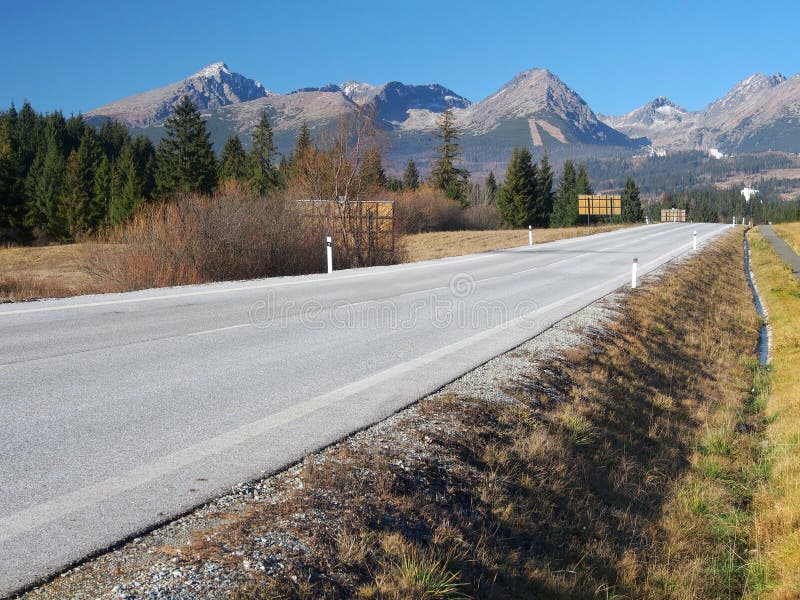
{"points": [[329, 251], [634, 270]]}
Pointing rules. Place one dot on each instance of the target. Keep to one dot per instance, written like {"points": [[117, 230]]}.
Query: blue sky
{"points": [[77, 55]]}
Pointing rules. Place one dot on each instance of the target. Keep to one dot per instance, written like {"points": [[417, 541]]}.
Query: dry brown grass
{"points": [[45, 272], [790, 232], [776, 564], [441, 244], [624, 469]]}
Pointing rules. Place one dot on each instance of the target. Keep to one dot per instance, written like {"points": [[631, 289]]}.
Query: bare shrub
{"points": [[195, 239], [426, 209]]}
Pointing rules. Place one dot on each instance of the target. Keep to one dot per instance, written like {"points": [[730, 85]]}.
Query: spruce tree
{"points": [[582, 183], [144, 155], [545, 191], [233, 161], [371, 175], [78, 189], [631, 203], [516, 198], [44, 185], [113, 137], [101, 191], [491, 187], [185, 160], [12, 197], [411, 176], [263, 175], [445, 175], [565, 201], [125, 189]]}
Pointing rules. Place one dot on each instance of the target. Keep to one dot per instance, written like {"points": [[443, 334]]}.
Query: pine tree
{"points": [[144, 155], [233, 161], [565, 201], [411, 176], [12, 197], [263, 175], [545, 191], [101, 191], [516, 198], [445, 175], [303, 143], [113, 137], [78, 189], [44, 184], [491, 187], [631, 203], [126, 193], [582, 183], [185, 160], [371, 175]]}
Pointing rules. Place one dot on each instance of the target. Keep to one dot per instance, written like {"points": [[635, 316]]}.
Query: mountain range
{"points": [[534, 109]]}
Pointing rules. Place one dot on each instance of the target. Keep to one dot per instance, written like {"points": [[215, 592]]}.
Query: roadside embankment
{"points": [[614, 455]]}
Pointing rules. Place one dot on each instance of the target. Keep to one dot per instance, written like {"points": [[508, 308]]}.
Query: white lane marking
{"points": [[219, 329], [46, 512], [305, 281]]}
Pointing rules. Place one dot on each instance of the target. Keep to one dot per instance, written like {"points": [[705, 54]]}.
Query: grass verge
{"points": [[790, 232], [775, 566], [441, 244]]}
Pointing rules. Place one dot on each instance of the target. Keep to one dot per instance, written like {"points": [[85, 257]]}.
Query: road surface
{"points": [[121, 411]]}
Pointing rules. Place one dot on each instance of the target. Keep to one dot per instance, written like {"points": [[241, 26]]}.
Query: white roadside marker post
{"points": [[694, 243], [329, 250], [733, 223], [530, 235], [647, 220], [634, 268]]}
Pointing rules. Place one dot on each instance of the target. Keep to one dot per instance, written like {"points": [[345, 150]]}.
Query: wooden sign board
{"points": [[599, 205], [673, 215]]}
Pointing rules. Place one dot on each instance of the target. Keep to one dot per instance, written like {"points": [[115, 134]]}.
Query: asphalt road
{"points": [[121, 411]]}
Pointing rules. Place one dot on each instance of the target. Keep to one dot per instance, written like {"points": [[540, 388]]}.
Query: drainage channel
{"points": [[762, 350]]}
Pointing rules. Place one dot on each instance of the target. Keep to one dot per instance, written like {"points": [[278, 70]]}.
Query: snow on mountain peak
{"points": [[213, 70]]}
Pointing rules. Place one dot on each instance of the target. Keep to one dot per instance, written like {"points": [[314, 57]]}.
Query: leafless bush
{"points": [[196, 239]]}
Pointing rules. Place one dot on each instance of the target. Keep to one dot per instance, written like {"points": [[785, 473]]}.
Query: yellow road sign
{"points": [[599, 204]]}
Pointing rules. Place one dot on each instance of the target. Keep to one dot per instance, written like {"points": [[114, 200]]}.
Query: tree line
{"points": [[61, 178]]}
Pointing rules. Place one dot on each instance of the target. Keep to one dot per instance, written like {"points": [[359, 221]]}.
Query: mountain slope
{"points": [[211, 87], [760, 112]]}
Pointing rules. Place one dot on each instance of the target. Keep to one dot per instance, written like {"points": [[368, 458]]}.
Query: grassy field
{"points": [[45, 272], [777, 560], [59, 271], [791, 233], [441, 244]]}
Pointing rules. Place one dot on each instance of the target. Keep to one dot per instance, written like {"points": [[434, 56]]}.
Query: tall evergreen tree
{"points": [[12, 196], [582, 183], [185, 160], [516, 198], [445, 175], [371, 175], [545, 192], [411, 176], [78, 189], [101, 191], [113, 137], [491, 187], [233, 161], [44, 184], [632, 204], [144, 155], [565, 201], [263, 175], [126, 193], [304, 141]]}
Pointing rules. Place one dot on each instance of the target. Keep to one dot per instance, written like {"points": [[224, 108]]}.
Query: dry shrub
{"points": [[427, 209], [195, 239]]}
